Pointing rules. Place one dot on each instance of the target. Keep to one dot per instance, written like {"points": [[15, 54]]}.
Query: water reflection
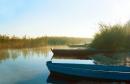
{"points": [[121, 59], [13, 54], [4, 55], [56, 78], [28, 66], [24, 66]]}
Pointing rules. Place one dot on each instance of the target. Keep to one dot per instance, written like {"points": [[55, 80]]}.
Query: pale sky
{"points": [[60, 17]]}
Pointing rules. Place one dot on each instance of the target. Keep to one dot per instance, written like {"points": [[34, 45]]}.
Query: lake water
{"points": [[27, 66]]}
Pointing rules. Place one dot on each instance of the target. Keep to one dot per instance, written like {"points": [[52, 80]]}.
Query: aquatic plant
{"points": [[111, 37]]}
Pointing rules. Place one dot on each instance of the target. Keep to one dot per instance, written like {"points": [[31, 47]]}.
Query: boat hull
{"points": [[79, 52], [85, 72]]}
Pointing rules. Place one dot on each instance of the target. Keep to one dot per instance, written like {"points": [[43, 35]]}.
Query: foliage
{"points": [[16, 42], [114, 37], [66, 40]]}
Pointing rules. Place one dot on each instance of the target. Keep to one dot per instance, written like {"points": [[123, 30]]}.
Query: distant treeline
{"points": [[26, 42]]}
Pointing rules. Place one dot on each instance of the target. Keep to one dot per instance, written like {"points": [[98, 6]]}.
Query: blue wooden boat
{"points": [[119, 73]]}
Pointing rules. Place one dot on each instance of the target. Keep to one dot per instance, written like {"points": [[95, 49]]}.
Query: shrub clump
{"points": [[116, 37]]}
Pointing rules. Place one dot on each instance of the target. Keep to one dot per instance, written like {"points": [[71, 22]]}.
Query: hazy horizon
{"points": [[70, 18]]}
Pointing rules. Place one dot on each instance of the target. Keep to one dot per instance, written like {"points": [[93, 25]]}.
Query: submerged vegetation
{"points": [[16, 42], [112, 37]]}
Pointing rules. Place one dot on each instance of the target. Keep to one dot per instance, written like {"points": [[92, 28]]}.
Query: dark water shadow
{"points": [[56, 78]]}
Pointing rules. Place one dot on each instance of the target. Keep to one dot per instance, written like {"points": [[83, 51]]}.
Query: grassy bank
{"points": [[16, 42]]}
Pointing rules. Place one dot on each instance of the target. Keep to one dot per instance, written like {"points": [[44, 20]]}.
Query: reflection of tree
{"points": [[3, 55], [43, 51], [114, 59], [27, 52], [13, 54]]}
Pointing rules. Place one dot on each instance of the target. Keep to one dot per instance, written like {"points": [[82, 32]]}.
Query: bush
{"points": [[114, 38]]}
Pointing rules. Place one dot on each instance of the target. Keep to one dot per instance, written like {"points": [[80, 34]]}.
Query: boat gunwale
{"points": [[90, 69]]}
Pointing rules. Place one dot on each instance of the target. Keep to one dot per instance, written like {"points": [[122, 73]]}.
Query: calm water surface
{"points": [[28, 66], [25, 66]]}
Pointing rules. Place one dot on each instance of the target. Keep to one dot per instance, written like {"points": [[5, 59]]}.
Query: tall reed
{"points": [[110, 37]]}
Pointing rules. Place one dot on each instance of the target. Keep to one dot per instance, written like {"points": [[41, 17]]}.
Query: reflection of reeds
{"points": [[26, 52], [4, 55], [113, 59], [16, 42]]}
